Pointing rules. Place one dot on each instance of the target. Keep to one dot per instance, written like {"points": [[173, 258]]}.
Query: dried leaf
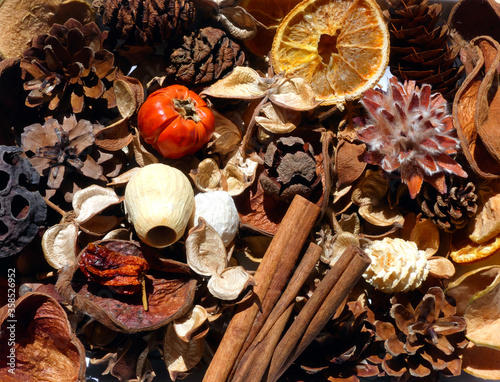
{"points": [[239, 173], [230, 283], [193, 325], [20, 20], [426, 235], [293, 93], [92, 200], [142, 156], [381, 215], [238, 22], [99, 225], [441, 267], [169, 292], [481, 361], [468, 109], [205, 250], [207, 176], [340, 243], [371, 189], [278, 120], [45, 347], [129, 95], [349, 163], [115, 136], [242, 83], [59, 244], [226, 136], [486, 223], [180, 356], [123, 179]]}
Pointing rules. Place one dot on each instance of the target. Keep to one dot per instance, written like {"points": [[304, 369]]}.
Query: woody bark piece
{"points": [[288, 241], [255, 359], [325, 300]]}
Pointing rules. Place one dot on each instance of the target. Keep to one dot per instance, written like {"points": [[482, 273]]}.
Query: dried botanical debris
{"points": [[211, 248]]}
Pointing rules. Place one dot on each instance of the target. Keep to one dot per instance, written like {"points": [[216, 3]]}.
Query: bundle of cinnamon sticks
{"points": [[254, 347]]}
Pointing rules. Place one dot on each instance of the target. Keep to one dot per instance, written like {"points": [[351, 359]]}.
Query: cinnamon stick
{"points": [[325, 300], [254, 361], [288, 241]]}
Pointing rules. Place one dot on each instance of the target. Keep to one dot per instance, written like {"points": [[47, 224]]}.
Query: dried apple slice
{"points": [[170, 292], [45, 347]]}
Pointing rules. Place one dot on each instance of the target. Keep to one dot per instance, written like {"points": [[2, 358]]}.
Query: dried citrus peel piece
{"points": [[341, 47]]}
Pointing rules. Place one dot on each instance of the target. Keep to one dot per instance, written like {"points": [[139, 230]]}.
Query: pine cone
{"points": [[65, 155], [422, 342], [146, 22], [452, 210], [410, 133], [205, 56], [421, 51], [342, 350], [69, 68]]}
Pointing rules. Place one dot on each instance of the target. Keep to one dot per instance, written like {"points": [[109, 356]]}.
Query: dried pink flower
{"points": [[409, 132]]}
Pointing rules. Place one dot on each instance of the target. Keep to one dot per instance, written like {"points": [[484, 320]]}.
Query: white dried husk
{"points": [[219, 211], [59, 244], [230, 283], [396, 265], [159, 201]]}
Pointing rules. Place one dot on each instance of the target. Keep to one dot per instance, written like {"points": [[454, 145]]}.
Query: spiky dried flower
{"points": [[410, 134]]}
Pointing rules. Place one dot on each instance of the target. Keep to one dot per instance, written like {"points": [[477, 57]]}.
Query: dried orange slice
{"points": [[340, 46]]}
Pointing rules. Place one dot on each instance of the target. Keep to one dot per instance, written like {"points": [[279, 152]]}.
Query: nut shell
{"points": [[159, 201]]}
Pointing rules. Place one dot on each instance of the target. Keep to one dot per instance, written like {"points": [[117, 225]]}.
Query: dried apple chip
{"points": [[45, 347]]}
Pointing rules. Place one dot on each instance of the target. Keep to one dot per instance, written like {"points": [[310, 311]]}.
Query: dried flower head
{"points": [[409, 132]]}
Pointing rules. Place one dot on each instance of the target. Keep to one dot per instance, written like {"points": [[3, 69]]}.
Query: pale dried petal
{"points": [[205, 251], [295, 94], [486, 223], [229, 284], [180, 356], [207, 176], [278, 120], [381, 216], [92, 200], [240, 173], [426, 235], [123, 178], [129, 95], [188, 326], [226, 136], [242, 82], [59, 244], [441, 267]]}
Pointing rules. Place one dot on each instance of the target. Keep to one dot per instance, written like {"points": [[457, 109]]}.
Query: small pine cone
{"points": [[452, 210], [205, 56], [146, 22], [421, 51], [422, 342], [68, 68]]}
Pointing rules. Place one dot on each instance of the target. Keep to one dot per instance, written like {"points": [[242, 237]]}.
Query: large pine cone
{"points": [[205, 56], [422, 342], [420, 50], [146, 22], [452, 210], [67, 68]]}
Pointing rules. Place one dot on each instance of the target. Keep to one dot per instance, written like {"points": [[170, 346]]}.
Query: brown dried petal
{"points": [[170, 293], [115, 136], [45, 347], [349, 163], [481, 361], [226, 136]]}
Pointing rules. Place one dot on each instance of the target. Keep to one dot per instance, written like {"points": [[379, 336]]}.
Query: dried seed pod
{"points": [[397, 265], [219, 210], [21, 210], [159, 201]]}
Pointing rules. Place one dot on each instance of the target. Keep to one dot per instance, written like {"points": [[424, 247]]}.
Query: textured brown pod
{"points": [[169, 291], [45, 347]]}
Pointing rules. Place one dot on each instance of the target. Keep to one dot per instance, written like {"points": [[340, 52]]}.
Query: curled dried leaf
{"points": [[115, 136], [293, 93], [371, 189], [230, 283], [335, 247], [180, 356], [46, 348], [238, 22], [59, 244], [193, 325], [481, 361], [226, 136], [486, 223], [381, 215], [349, 163], [207, 176], [92, 200], [426, 235], [205, 250], [242, 82], [441, 267], [129, 94], [278, 120]]}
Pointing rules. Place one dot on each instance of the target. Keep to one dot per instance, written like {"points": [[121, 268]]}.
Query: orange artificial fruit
{"points": [[341, 47]]}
